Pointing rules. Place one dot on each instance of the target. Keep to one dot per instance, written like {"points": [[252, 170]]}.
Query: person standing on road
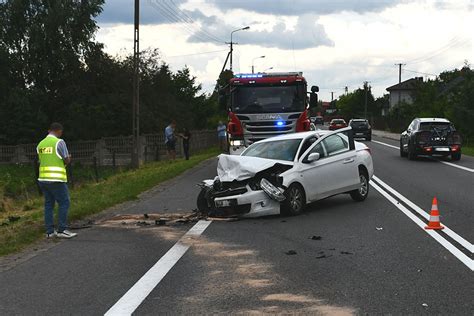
{"points": [[170, 140], [53, 157], [186, 136], [222, 136]]}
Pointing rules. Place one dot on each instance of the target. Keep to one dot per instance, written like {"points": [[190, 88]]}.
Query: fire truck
{"points": [[263, 105]]}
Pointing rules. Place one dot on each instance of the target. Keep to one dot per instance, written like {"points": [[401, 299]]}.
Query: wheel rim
{"points": [[364, 185], [296, 199]]}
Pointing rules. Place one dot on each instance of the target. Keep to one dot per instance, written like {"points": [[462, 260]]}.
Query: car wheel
{"points": [[295, 200], [411, 152], [369, 138], [402, 152], [362, 192], [455, 156], [202, 205]]}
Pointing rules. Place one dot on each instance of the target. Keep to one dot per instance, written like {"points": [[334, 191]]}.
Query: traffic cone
{"points": [[434, 216]]}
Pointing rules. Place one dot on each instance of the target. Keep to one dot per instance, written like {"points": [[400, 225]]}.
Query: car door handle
{"points": [[348, 160]]}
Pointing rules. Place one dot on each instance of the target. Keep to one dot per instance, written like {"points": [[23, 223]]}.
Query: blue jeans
{"points": [[55, 192]]}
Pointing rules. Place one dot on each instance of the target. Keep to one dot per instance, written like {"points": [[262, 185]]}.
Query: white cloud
{"points": [[366, 45]]}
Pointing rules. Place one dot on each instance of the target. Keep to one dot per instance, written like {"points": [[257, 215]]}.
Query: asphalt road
{"points": [[366, 258]]}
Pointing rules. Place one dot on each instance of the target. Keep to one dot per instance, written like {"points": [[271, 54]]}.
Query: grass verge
{"points": [[468, 150], [20, 228]]}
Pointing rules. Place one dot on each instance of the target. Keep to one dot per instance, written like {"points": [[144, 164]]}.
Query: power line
{"points": [[419, 72], [168, 13], [439, 51], [202, 53]]}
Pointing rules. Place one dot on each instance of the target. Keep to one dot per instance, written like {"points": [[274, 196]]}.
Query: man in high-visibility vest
{"points": [[54, 156]]}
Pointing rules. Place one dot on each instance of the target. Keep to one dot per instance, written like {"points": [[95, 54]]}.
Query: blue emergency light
{"points": [[280, 123]]}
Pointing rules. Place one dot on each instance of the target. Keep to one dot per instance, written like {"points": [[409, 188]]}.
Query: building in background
{"points": [[402, 92]]}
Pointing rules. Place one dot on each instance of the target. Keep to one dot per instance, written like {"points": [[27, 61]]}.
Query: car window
{"points": [[318, 148], [335, 144], [307, 143]]}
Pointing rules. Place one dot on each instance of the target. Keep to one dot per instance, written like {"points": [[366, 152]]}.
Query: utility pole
{"points": [[366, 86], [400, 71], [332, 96], [346, 89], [136, 90]]}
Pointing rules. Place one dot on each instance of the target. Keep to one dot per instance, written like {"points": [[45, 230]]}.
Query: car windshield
{"points": [[268, 99], [279, 149]]}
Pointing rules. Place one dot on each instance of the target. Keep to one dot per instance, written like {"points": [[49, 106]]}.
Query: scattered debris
{"points": [[378, 228], [346, 253], [424, 305], [12, 219], [143, 223], [419, 270], [315, 238], [323, 256], [160, 222], [291, 252], [146, 216], [82, 224], [283, 221]]}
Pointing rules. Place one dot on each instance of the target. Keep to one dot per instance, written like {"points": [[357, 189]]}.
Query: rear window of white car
{"points": [[279, 149]]}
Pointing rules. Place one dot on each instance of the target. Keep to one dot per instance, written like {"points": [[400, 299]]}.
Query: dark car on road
{"points": [[361, 128], [319, 120], [337, 124], [430, 137]]}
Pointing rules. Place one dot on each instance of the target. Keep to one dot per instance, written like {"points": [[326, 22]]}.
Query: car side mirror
{"points": [[313, 157]]}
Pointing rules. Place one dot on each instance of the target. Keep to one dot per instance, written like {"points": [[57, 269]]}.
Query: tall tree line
{"points": [[52, 69]]}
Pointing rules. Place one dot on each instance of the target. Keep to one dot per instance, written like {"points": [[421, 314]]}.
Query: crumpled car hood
{"points": [[231, 168]]}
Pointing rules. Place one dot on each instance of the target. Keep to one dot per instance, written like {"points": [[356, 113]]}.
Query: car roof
{"points": [[358, 120], [433, 119], [300, 135]]}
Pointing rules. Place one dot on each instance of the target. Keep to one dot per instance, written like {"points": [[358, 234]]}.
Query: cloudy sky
{"points": [[336, 43]]}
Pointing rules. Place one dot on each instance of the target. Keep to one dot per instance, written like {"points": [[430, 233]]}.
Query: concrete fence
{"points": [[112, 151]]}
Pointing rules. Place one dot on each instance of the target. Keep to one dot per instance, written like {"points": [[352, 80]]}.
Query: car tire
{"points": [[362, 192], [202, 205], [456, 156], [369, 138], [411, 152], [402, 152], [295, 201]]}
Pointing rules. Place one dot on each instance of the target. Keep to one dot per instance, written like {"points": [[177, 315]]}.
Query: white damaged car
{"points": [[280, 175]]}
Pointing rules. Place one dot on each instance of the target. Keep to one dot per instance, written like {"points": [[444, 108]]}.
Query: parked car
{"points": [[319, 120], [361, 128], [430, 137], [337, 124], [280, 175]]}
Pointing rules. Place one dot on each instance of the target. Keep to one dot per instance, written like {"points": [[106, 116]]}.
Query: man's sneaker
{"points": [[66, 234], [51, 235]]}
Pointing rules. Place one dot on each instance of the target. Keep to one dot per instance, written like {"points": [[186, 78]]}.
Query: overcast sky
{"points": [[336, 43]]}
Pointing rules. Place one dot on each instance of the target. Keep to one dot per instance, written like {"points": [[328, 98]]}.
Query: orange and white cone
{"points": [[434, 222]]}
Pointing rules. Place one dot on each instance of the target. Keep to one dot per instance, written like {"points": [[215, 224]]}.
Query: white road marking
{"points": [[463, 242], [385, 144], [440, 239], [128, 303], [444, 162]]}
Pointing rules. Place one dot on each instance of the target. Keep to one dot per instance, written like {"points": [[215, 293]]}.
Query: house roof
{"points": [[409, 84]]}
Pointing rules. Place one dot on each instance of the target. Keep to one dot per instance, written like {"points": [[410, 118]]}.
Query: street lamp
{"points": [[253, 68], [232, 43], [267, 69]]}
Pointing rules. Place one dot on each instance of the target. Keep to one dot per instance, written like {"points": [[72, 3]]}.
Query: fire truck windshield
{"points": [[268, 99]]}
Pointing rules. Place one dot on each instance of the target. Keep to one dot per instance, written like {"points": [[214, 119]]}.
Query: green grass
{"points": [[468, 150], [87, 199]]}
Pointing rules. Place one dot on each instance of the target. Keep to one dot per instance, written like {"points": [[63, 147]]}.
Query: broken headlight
{"points": [[272, 191]]}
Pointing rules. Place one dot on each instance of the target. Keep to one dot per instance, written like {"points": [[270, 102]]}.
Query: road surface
{"points": [[338, 257]]}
